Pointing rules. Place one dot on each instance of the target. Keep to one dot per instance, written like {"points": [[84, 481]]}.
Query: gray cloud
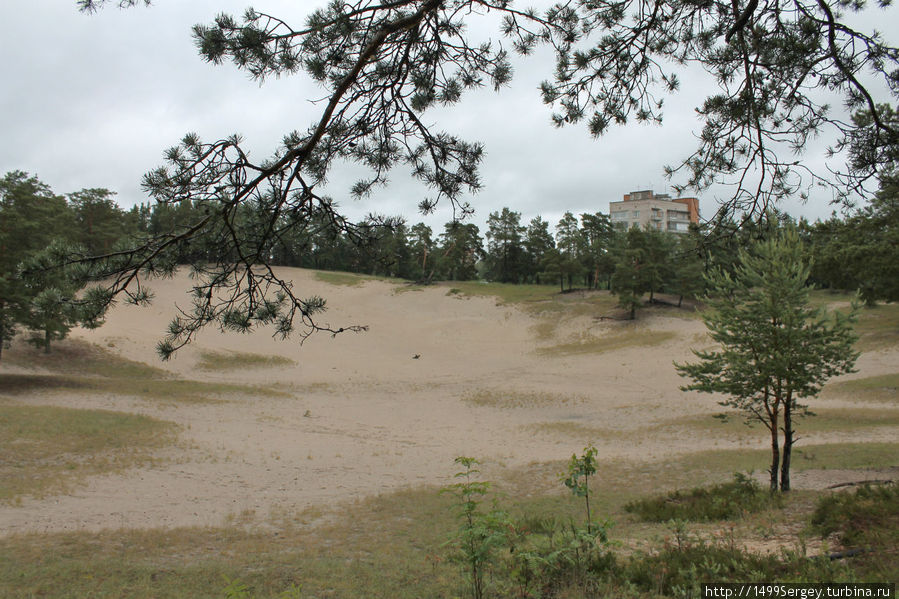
{"points": [[94, 100]]}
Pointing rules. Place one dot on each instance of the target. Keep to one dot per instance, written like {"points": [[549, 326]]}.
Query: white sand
{"points": [[366, 418]]}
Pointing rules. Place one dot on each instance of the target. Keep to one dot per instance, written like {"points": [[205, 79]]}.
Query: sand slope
{"points": [[364, 417]]}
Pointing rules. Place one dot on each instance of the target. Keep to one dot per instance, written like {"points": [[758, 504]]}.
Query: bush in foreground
{"points": [[725, 501]]}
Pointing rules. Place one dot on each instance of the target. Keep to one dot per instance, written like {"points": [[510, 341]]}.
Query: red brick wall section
{"points": [[692, 206]]}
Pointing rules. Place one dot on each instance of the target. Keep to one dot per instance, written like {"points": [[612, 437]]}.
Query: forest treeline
{"points": [[850, 251]]}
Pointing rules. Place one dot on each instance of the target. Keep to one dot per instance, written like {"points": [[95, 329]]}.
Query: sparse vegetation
{"points": [[166, 391], [878, 327], [818, 456], [865, 520], [46, 449], [213, 360], [591, 344], [82, 359], [395, 544], [724, 501], [883, 388], [408, 288], [346, 279], [505, 293], [853, 513], [78, 366], [496, 398]]}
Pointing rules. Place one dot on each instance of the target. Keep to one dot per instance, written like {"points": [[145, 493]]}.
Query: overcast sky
{"points": [[94, 100]]}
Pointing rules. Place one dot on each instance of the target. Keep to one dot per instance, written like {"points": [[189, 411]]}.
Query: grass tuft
{"points": [[348, 279], [339, 278], [213, 360], [495, 398], [505, 293], [591, 344]]}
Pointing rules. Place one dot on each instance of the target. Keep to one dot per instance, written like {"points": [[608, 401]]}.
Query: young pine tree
{"points": [[775, 349]]}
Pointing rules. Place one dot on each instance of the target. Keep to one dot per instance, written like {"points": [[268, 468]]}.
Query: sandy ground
{"points": [[365, 417]]}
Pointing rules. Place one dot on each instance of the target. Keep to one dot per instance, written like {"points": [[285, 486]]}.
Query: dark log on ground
{"points": [[847, 553]]}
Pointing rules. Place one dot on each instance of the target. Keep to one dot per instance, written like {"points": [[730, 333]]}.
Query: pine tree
{"points": [[421, 248], [41, 286], [461, 248], [775, 349], [505, 252], [571, 246], [101, 223], [538, 241], [599, 236], [31, 217], [630, 281], [860, 251], [688, 266]]}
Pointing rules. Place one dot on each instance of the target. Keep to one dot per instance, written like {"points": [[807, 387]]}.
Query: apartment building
{"points": [[657, 210]]}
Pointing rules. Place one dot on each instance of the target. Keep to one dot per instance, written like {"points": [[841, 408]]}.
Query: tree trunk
{"points": [[2, 339], [680, 300], [47, 341], [587, 500], [775, 456], [788, 449]]}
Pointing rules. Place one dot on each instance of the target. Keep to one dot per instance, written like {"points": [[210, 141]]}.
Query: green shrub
{"points": [[481, 533], [679, 571], [860, 515], [724, 501], [554, 557]]}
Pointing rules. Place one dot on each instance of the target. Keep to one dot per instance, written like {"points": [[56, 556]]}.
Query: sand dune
{"points": [[363, 417]]}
